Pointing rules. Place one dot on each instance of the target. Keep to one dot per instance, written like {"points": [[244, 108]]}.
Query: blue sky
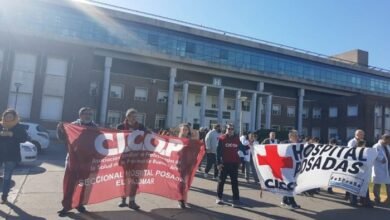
{"points": [[328, 27]]}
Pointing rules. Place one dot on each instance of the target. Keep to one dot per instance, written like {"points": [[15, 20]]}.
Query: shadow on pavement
{"points": [[247, 202], [1, 184], [20, 214], [195, 212]]}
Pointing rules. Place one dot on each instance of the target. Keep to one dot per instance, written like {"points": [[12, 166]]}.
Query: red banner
{"points": [[106, 164]]}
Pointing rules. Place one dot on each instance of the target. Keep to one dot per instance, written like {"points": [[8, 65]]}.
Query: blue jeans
{"points": [[9, 167]]}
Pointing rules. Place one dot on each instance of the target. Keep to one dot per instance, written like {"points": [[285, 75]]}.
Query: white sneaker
{"points": [[219, 201]]}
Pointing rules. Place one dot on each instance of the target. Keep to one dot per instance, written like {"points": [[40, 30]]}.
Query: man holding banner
{"points": [[69, 182]]}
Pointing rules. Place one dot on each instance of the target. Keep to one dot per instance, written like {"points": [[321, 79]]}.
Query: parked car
{"points": [[39, 136], [28, 152]]}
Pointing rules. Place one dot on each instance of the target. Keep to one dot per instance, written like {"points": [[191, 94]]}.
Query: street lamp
{"points": [[17, 86], [242, 99]]}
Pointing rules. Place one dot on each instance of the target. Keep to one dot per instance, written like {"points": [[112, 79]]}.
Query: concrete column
{"points": [[203, 101], [238, 112], [105, 90], [171, 98], [252, 124], [220, 105], [260, 88], [184, 106], [301, 95], [268, 112]]}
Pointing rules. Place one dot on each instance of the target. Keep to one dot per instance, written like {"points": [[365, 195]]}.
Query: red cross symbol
{"points": [[275, 161]]}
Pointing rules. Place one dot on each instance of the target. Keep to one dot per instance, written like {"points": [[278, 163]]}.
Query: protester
{"points": [[287, 200], [359, 136], [365, 201], [244, 144], [211, 142], [250, 169], [381, 169], [131, 124], [186, 132], [12, 134], [271, 139], [71, 169], [228, 163]]}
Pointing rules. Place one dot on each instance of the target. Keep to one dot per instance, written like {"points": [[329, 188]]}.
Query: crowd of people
{"points": [[226, 152]]}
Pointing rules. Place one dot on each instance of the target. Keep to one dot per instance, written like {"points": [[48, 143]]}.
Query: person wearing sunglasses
{"points": [[228, 163]]}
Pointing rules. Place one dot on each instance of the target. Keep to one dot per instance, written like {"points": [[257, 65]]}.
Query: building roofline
{"points": [[221, 35]]}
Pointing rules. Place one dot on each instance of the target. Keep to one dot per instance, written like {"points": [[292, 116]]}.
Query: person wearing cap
{"points": [[85, 119], [131, 124]]}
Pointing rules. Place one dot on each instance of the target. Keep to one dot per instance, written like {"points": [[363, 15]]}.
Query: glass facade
{"points": [[69, 23]]}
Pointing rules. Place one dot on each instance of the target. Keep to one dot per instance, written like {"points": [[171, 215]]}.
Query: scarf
{"points": [[10, 124]]}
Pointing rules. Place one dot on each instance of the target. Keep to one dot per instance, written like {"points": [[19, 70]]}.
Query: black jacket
{"points": [[10, 146]]}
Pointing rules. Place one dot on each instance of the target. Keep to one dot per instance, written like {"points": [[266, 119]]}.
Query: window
{"points": [[387, 120], [316, 113], [195, 123], [378, 117], [316, 132], [141, 94], [305, 113], [197, 100], [245, 127], [54, 89], [162, 96], [226, 115], [276, 108], [291, 111], [214, 101], [217, 81], [23, 74], [262, 110], [153, 39], [245, 105], [93, 89], [179, 98], [113, 118], [211, 113], [223, 54], [141, 117], [305, 132], [160, 122], [332, 112], [275, 127], [350, 132], [288, 128], [190, 47], [116, 91], [230, 104], [352, 110], [332, 133]]}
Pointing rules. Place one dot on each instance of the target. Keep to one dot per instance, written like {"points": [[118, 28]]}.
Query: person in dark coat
{"points": [[12, 134]]}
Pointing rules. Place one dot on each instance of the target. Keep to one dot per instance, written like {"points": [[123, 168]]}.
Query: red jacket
{"points": [[227, 151]]}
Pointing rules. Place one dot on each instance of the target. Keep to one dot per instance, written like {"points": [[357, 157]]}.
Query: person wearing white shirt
{"points": [[271, 139], [381, 168]]}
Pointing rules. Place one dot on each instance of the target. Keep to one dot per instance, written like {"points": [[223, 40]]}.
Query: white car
{"points": [[28, 152], [39, 136]]}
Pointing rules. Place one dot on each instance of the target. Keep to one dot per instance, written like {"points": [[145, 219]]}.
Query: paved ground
{"points": [[37, 192]]}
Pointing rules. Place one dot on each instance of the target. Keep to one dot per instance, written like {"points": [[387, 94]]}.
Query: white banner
{"points": [[288, 169]]}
